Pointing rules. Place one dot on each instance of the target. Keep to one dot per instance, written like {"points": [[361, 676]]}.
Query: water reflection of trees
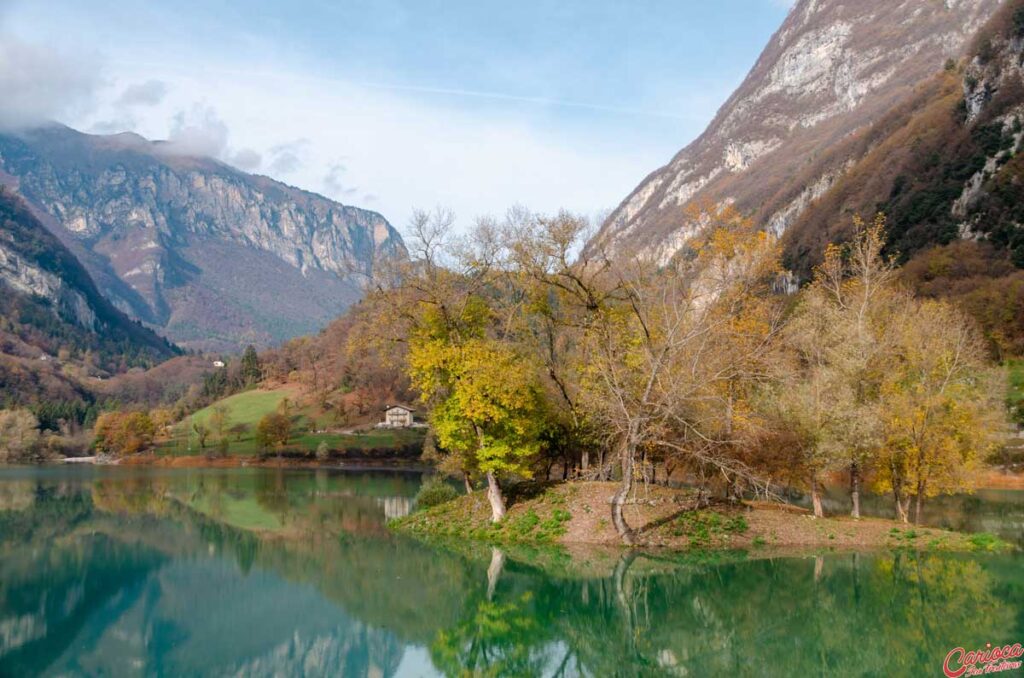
{"points": [[895, 614], [884, 614]]}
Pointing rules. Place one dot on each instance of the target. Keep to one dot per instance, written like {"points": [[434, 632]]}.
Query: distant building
{"points": [[398, 416], [218, 363]]}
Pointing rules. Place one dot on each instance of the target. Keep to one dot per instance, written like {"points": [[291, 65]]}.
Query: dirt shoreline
{"points": [[578, 514]]}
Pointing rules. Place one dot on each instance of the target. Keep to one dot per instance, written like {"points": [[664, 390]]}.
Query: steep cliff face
{"points": [[943, 166], [833, 68], [210, 256], [25, 276], [49, 304]]}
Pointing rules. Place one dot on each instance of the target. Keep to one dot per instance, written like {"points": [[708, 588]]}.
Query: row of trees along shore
{"points": [[531, 351]]}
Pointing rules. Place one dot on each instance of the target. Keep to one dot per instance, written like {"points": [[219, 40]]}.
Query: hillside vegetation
{"points": [[946, 170], [111, 341], [243, 412]]}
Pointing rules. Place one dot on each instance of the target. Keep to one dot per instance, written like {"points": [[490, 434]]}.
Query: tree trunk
{"points": [[494, 571], [919, 502], [855, 489], [585, 460], [623, 592], [496, 498], [902, 506], [468, 483], [736, 490], [816, 498], [619, 500]]}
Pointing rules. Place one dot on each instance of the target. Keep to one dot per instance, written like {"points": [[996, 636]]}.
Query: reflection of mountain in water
{"points": [[152, 574], [126, 594]]}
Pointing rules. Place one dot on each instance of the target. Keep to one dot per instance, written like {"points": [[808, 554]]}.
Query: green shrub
{"points": [[433, 492], [986, 541]]}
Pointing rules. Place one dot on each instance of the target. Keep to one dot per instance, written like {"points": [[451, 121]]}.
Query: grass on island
{"points": [[579, 513], [247, 408]]}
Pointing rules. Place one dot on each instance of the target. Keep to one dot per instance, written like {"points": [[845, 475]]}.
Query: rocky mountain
{"points": [[52, 316], [942, 166], [209, 256], [795, 126]]}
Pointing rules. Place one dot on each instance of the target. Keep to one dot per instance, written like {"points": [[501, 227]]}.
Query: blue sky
{"points": [[395, 104]]}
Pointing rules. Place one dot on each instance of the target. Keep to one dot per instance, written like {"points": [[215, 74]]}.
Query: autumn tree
{"points": [[220, 423], [667, 364], [843, 331], [220, 420], [202, 431], [274, 430], [162, 418], [124, 433], [19, 434], [485, 402], [487, 408], [561, 290], [802, 406], [941, 416]]}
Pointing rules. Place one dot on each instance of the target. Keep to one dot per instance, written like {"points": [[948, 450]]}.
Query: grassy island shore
{"points": [[578, 514]]}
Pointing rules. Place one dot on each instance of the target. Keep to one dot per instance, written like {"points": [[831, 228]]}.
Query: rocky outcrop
{"points": [[48, 302], [833, 68], [162, 232], [944, 165], [25, 277]]}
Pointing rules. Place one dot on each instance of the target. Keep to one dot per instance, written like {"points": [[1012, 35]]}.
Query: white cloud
{"points": [[334, 186], [38, 83], [198, 131], [112, 126], [149, 93], [399, 151], [287, 158], [246, 159]]}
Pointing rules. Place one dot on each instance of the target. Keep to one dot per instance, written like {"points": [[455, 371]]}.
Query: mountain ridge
{"points": [[56, 328], [160, 230], [832, 69]]}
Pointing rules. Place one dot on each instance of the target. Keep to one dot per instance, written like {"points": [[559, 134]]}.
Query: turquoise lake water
{"points": [[255, 572]]}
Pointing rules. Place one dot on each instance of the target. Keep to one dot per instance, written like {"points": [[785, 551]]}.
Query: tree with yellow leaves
{"points": [[842, 333], [124, 432], [671, 360], [940, 413], [487, 406], [485, 401]]}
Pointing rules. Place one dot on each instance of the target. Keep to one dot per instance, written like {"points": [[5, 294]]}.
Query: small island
{"points": [[576, 514]]}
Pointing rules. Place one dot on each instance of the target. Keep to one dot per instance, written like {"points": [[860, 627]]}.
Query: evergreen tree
{"points": [[251, 372]]}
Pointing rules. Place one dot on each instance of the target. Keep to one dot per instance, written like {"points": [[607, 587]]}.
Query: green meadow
{"points": [[244, 413]]}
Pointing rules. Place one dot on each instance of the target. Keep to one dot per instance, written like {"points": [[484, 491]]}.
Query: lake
{"points": [[256, 572]]}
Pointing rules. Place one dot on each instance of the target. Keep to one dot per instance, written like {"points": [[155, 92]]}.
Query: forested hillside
{"points": [[55, 327], [945, 168]]}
